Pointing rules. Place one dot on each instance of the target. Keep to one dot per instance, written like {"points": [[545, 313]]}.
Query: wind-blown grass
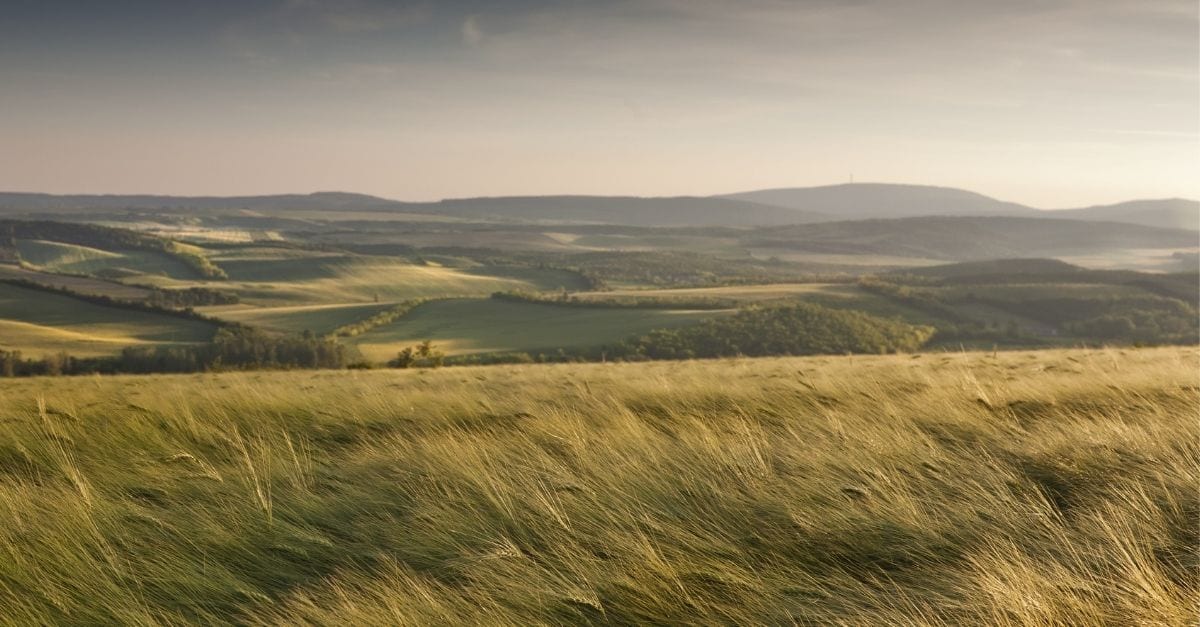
{"points": [[1025, 488]]}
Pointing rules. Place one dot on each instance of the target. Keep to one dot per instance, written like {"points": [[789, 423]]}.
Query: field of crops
{"points": [[280, 277], [319, 319], [1040, 488], [74, 259], [464, 326], [38, 322]]}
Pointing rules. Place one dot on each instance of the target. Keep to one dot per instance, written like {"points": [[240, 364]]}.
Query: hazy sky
{"points": [[1048, 102]]}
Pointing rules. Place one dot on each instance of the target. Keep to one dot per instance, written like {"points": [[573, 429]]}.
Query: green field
{"points": [[79, 284], [1046, 488], [74, 259], [464, 326], [37, 322], [319, 319], [742, 293]]}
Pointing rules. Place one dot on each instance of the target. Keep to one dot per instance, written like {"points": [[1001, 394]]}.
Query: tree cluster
{"points": [[423, 355], [232, 348]]}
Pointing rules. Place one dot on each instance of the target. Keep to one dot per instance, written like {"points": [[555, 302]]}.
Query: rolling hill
{"points": [[38, 322], [286, 278], [466, 326], [629, 210], [858, 201], [798, 205], [1178, 213]]}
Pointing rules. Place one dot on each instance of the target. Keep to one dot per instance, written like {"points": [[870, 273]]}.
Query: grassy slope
{"points": [[835, 295], [462, 326], [316, 318], [1030, 488], [286, 278], [80, 284], [74, 259], [37, 322]]}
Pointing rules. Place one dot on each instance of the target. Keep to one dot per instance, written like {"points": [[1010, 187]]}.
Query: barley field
{"points": [[1024, 488]]}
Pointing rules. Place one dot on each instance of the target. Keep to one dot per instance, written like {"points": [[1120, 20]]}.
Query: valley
{"points": [[375, 287]]}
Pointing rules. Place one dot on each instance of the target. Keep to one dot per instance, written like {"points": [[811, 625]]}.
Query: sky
{"points": [[1052, 103]]}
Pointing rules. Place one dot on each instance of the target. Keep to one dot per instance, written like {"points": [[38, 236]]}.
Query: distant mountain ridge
{"points": [[11, 202], [862, 201], [627, 210], [1169, 212], [770, 207]]}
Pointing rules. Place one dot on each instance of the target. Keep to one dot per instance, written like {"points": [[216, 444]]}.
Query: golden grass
{"points": [[35, 340], [1040, 488]]}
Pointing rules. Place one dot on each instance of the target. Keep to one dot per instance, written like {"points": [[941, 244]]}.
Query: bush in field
{"points": [[423, 355]]}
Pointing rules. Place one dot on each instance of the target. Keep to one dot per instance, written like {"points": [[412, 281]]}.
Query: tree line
{"points": [[233, 347], [378, 319]]}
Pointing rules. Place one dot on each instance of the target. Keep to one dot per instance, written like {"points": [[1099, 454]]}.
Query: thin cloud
{"points": [[472, 32]]}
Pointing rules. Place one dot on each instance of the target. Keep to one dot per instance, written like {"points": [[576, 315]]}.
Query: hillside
{"points": [[90, 248], [861, 201], [38, 322], [1010, 269], [858, 201], [971, 238], [949, 489], [466, 326], [282, 277], [628, 210], [1178, 213]]}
